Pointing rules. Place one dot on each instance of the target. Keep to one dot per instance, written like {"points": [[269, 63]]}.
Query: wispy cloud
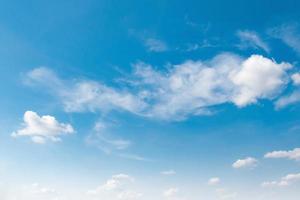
{"points": [[84, 95], [103, 138], [293, 97], [283, 182], [134, 157], [204, 44], [155, 45], [250, 39], [168, 172], [289, 34]]}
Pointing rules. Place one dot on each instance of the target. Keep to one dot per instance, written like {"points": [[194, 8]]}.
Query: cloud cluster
{"points": [[190, 88], [248, 162], [42, 128]]}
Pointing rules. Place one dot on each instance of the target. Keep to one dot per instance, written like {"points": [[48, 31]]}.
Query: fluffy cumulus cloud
{"points": [[283, 182], [117, 187], [250, 39], [259, 77], [292, 154], [248, 162], [214, 181], [189, 88], [42, 128]]}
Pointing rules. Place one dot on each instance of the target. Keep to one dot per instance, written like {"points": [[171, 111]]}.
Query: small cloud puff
{"points": [[42, 128], [248, 162], [214, 181], [168, 172]]}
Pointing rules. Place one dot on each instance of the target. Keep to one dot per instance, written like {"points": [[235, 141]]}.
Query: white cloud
{"points": [[293, 97], [42, 128], [171, 192], [284, 181], [251, 39], [85, 95], [134, 157], [168, 172], [190, 88], [292, 154], [116, 188], [259, 78], [214, 181], [248, 162], [287, 100], [296, 78], [155, 45], [289, 34]]}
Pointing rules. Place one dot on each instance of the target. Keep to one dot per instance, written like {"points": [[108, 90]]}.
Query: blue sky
{"points": [[165, 100]]}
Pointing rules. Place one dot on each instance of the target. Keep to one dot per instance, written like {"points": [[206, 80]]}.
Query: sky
{"points": [[144, 100]]}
